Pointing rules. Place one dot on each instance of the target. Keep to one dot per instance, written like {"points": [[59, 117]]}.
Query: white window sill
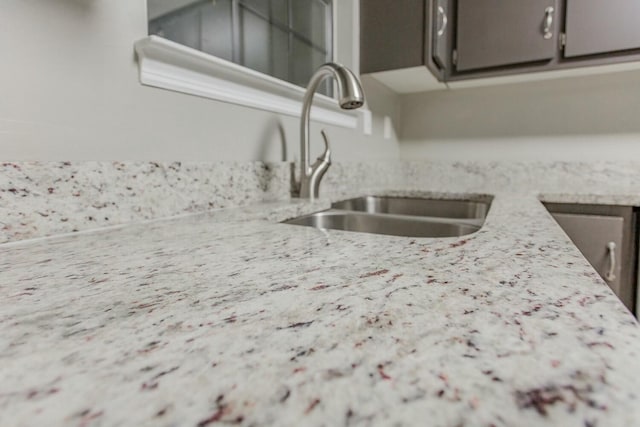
{"points": [[169, 65]]}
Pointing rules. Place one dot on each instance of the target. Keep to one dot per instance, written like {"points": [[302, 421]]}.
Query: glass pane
{"points": [[158, 8], [279, 53], [254, 41], [217, 33], [304, 61], [280, 11], [276, 11], [308, 18], [182, 27], [261, 7], [202, 25], [264, 47]]}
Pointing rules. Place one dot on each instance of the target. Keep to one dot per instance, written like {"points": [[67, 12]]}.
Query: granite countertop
{"points": [[233, 318]]}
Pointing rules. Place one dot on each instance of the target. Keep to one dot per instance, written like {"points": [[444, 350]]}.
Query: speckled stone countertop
{"points": [[232, 318]]}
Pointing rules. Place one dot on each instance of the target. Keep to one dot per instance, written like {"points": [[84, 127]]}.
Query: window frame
{"points": [[168, 65]]}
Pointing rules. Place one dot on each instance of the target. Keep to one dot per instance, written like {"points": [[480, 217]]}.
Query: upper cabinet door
{"points": [[440, 33], [391, 34], [601, 26], [492, 33]]}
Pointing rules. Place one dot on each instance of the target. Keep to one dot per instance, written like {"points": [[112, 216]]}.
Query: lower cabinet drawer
{"points": [[599, 238], [604, 240]]}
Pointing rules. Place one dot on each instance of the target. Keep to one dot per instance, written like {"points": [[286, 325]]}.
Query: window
{"points": [[287, 39], [255, 53]]}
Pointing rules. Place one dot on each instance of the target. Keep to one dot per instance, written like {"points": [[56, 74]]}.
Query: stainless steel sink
{"points": [[399, 216], [394, 225], [416, 207]]}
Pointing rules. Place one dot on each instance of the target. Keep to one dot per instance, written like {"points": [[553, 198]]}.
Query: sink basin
{"points": [[395, 225], [416, 207], [402, 216]]}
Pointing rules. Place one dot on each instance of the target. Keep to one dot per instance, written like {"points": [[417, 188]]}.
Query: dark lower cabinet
{"points": [[606, 236]]}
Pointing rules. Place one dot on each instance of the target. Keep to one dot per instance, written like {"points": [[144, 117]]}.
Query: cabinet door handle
{"points": [[548, 22], [444, 21], [611, 275]]}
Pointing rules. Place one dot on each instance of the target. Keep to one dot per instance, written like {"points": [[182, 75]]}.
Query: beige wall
{"points": [[70, 91], [579, 118]]}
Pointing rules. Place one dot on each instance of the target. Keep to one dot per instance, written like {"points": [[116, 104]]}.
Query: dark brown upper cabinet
{"points": [[392, 34], [468, 39], [601, 26], [493, 33]]}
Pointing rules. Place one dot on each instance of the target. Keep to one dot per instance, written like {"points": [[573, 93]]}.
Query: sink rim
{"points": [[472, 225], [474, 222], [384, 205]]}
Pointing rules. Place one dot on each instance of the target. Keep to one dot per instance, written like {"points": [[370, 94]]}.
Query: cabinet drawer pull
{"points": [[548, 22], [444, 21], [611, 275]]}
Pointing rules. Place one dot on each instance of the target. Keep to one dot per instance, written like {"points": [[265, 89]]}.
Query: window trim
{"points": [[168, 65]]}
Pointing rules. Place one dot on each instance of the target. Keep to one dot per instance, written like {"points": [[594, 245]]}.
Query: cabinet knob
{"points": [[548, 22]]}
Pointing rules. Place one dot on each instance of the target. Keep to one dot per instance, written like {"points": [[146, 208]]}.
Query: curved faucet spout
{"points": [[350, 96]]}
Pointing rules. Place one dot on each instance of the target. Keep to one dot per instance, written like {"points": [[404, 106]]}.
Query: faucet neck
{"points": [[305, 163]]}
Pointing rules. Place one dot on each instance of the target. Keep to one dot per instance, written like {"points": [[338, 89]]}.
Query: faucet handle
{"points": [[319, 168], [326, 156]]}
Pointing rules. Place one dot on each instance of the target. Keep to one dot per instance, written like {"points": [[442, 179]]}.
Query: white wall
{"points": [[580, 118], [70, 91]]}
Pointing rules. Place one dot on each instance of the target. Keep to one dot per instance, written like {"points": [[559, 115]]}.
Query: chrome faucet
{"points": [[350, 96]]}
